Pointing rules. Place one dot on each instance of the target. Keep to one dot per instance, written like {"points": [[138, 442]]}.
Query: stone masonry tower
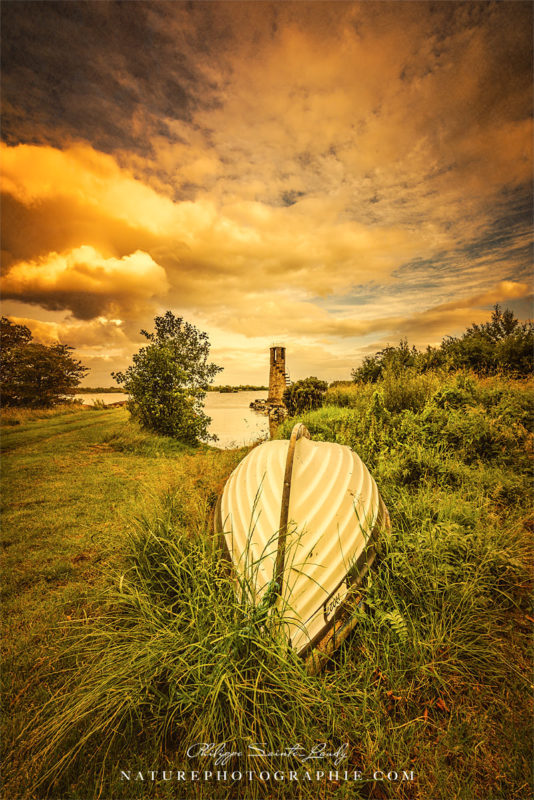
{"points": [[278, 378]]}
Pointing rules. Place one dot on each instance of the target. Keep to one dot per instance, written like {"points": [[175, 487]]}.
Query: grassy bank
{"points": [[125, 644], [74, 483]]}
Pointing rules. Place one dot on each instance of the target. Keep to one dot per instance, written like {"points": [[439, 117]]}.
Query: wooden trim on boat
{"points": [[298, 432]]}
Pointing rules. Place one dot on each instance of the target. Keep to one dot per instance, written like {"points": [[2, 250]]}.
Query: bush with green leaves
{"points": [[168, 380], [305, 395], [501, 345], [395, 359]]}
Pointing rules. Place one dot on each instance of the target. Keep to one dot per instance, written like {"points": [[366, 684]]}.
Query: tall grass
{"points": [[409, 390], [175, 658], [433, 679]]}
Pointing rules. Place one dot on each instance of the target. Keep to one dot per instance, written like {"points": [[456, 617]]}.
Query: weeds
{"points": [[99, 405]]}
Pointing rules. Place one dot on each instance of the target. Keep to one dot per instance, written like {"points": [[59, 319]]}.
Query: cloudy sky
{"points": [[329, 175]]}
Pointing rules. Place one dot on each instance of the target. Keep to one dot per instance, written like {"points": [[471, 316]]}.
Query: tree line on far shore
{"points": [[242, 387]]}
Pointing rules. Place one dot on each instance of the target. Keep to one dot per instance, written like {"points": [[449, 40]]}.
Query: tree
{"points": [[304, 395], [33, 374], [168, 380], [11, 334], [396, 359], [501, 345], [501, 325]]}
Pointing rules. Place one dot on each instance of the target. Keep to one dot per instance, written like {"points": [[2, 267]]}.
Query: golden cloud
{"points": [[307, 245], [431, 325], [86, 283], [291, 317], [34, 174], [89, 338]]}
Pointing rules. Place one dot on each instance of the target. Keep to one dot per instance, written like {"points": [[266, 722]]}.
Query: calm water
{"points": [[231, 418]]}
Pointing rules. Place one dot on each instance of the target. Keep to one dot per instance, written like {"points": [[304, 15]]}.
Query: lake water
{"points": [[231, 418]]}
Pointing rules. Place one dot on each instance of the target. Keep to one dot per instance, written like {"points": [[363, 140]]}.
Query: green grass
{"points": [[73, 483], [125, 641]]}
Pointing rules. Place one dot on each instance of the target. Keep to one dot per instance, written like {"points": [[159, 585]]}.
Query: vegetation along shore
{"points": [[125, 645]]}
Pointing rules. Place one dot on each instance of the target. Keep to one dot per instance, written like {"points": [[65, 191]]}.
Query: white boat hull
{"points": [[335, 512]]}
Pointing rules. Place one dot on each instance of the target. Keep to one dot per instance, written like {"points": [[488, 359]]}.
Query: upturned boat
{"points": [[299, 520]]}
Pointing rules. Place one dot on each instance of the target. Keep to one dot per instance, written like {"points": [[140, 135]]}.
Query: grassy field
{"points": [[124, 643]]}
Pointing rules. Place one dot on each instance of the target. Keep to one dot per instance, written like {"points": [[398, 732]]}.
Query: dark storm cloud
{"points": [[92, 70]]}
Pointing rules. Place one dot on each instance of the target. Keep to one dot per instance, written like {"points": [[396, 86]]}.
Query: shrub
{"points": [[168, 379], [407, 389], [305, 395]]}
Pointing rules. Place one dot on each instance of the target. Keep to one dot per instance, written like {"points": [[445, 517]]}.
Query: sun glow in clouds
{"points": [[338, 175]]}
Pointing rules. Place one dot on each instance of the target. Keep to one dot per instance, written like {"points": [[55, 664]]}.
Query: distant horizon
{"points": [[336, 176]]}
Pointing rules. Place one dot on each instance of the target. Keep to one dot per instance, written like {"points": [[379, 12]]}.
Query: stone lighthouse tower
{"points": [[278, 378]]}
